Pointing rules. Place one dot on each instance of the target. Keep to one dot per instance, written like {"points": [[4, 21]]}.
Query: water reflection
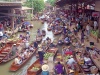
{"points": [[48, 33]]}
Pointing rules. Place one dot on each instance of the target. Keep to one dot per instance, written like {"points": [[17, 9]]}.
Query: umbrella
{"points": [[57, 19], [27, 23]]}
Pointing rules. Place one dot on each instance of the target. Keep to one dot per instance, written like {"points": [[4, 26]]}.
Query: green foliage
{"points": [[52, 2], [38, 5]]}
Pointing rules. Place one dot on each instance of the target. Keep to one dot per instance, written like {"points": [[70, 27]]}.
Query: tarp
{"points": [[27, 23]]}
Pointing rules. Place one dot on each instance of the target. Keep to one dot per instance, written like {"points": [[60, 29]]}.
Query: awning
{"points": [[10, 14], [97, 5], [24, 8]]}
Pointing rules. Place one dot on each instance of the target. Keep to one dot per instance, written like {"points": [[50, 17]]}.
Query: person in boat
{"points": [[14, 49], [71, 62], [25, 53], [67, 40], [63, 50], [45, 69], [87, 60], [17, 61], [59, 68], [41, 54], [31, 48], [60, 41], [47, 38], [43, 32], [5, 35], [35, 44], [27, 35], [22, 55], [38, 32], [68, 51], [64, 30], [52, 45], [44, 44], [26, 42]]}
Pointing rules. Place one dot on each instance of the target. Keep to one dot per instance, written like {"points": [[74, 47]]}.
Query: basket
{"points": [[94, 70]]}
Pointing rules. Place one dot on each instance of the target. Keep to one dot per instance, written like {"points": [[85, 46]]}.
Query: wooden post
{"points": [[98, 35], [12, 20]]}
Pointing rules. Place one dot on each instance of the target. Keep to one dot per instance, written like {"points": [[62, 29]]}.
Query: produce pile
{"points": [[47, 55], [67, 57], [34, 69], [94, 32], [12, 39]]}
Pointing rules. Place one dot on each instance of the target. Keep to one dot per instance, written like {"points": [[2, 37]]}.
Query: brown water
{"points": [[4, 68]]}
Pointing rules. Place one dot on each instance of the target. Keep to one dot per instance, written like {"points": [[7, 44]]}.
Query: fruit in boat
{"points": [[34, 69], [47, 55]]}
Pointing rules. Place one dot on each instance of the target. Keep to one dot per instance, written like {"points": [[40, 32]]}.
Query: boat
{"points": [[77, 70], [43, 32], [15, 67], [57, 32], [38, 38], [9, 56], [7, 50], [95, 56], [35, 68], [61, 40], [81, 61], [49, 29]]}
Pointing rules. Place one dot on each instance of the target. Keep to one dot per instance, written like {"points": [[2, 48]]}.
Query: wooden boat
{"points": [[9, 56], [57, 32], [38, 38], [38, 65], [85, 67], [95, 56], [6, 51], [43, 32], [15, 67], [49, 29], [61, 40], [77, 69]]}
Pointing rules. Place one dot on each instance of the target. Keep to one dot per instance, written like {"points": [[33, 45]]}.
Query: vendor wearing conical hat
{"points": [[45, 69]]}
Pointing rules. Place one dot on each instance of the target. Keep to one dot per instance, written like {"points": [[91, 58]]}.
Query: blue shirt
{"points": [[45, 73]]}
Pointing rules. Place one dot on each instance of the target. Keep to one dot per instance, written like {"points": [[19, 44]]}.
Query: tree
{"points": [[52, 2], [38, 5]]}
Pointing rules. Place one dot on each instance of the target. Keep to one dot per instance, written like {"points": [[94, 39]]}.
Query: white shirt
{"points": [[25, 53], [1, 33], [71, 61], [87, 27], [95, 23], [87, 59], [17, 61]]}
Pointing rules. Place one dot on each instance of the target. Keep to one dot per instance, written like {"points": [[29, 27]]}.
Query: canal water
{"points": [[4, 68]]}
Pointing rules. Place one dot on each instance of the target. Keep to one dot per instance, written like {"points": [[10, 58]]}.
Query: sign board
{"points": [[95, 14]]}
